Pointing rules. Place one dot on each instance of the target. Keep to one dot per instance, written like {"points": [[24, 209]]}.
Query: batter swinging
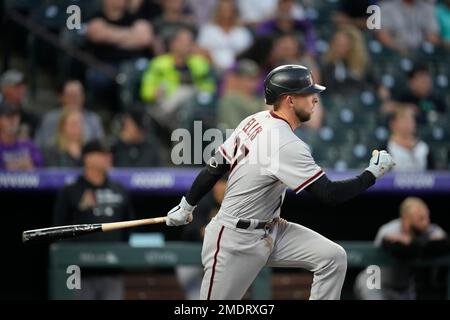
{"points": [[248, 233]]}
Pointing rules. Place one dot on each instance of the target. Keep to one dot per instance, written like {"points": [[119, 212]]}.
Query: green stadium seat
{"points": [[440, 153], [131, 73]]}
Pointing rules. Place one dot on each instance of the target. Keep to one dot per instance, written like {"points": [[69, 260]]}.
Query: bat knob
{"points": [[374, 152], [25, 237]]}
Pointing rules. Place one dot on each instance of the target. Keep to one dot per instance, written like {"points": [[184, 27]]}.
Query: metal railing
{"points": [[120, 255]]}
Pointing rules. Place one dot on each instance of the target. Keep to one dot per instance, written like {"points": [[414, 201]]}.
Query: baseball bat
{"points": [[72, 231]]}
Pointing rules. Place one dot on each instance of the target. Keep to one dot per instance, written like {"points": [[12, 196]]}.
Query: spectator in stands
{"points": [[409, 152], [172, 79], [407, 24], [15, 153], [145, 9], [353, 12], [191, 277], [240, 99], [346, 64], [136, 146], [287, 50], [14, 91], [94, 198], [202, 11], [72, 98], [443, 18], [420, 92], [284, 22], [253, 12], [409, 238], [270, 52], [65, 151], [115, 36], [173, 17], [224, 38]]}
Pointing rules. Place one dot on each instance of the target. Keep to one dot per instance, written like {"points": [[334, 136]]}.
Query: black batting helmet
{"points": [[287, 79]]}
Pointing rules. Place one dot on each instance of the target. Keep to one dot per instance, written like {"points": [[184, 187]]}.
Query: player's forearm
{"points": [[336, 192], [205, 181]]}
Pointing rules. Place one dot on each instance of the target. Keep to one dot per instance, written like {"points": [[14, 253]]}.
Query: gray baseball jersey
{"points": [[266, 157]]}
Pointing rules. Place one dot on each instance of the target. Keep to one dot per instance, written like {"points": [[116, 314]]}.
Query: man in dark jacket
{"points": [[94, 198], [136, 146], [409, 238]]}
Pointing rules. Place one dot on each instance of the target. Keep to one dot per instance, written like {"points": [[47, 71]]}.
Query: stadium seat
{"points": [[131, 75], [24, 6], [440, 152]]}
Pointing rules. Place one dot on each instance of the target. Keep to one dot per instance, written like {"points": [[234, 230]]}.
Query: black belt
{"points": [[245, 224]]}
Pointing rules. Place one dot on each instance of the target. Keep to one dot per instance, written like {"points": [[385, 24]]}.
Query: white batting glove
{"points": [[181, 214], [380, 163]]}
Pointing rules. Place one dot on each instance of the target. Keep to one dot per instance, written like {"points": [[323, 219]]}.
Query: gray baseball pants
{"points": [[232, 258]]}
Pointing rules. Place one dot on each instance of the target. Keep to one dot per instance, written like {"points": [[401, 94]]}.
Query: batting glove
{"points": [[380, 163], [181, 214]]}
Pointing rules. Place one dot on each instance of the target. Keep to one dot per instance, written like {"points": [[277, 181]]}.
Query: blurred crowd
{"points": [[136, 70], [155, 66]]}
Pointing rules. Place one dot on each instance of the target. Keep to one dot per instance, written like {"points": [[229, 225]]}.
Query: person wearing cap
{"points": [[94, 198], [421, 92], [15, 154], [136, 146], [14, 91], [240, 99]]}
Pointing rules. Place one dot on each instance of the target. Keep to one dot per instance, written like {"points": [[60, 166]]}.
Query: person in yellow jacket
{"points": [[179, 68]]}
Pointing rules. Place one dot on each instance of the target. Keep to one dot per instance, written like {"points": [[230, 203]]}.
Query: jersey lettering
{"points": [[252, 128]]}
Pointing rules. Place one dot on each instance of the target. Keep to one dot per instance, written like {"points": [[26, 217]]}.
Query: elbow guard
{"points": [[217, 165]]}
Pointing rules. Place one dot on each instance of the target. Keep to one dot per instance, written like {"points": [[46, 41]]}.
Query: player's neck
{"points": [[289, 117]]}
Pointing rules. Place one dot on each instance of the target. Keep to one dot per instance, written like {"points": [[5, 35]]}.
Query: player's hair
{"points": [[409, 203], [277, 102]]}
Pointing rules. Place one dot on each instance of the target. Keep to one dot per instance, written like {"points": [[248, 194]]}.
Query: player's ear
{"points": [[290, 100]]}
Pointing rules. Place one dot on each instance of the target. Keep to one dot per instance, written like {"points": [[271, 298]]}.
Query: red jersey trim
{"points": [[309, 181], [273, 114], [211, 281], [224, 154]]}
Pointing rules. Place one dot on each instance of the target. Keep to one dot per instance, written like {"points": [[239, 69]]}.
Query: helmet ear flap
{"points": [[269, 95]]}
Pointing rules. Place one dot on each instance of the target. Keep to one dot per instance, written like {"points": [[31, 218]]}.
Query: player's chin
{"points": [[305, 118]]}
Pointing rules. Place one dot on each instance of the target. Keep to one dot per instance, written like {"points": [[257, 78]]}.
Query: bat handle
{"points": [[132, 223]]}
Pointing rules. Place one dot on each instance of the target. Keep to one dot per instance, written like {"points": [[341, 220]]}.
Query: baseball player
{"points": [[248, 233]]}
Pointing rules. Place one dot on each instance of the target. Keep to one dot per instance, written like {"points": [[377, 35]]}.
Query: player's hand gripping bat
{"points": [[71, 231]]}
